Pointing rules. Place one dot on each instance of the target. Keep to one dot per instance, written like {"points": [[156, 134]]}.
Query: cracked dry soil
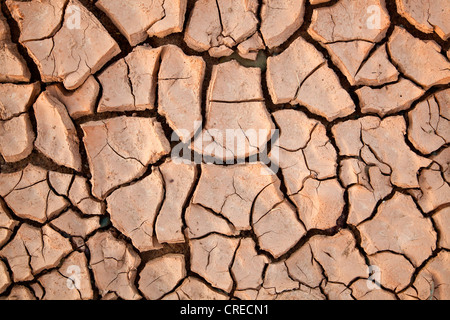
{"points": [[351, 182]]}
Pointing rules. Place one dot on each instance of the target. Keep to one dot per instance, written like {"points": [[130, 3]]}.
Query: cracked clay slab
{"points": [[28, 194], [114, 264], [33, 250], [300, 75], [120, 149], [218, 25], [134, 208], [130, 83], [56, 134], [427, 16], [13, 67], [238, 124], [224, 150], [90, 45]]}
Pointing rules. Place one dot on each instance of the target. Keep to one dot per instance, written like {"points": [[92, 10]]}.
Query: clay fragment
{"points": [[49, 18], [69, 282], [60, 182], [231, 190], [7, 225], [114, 264], [296, 129], [442, 221], [220, 51], [433, 69], [377, 70], [349, 30], [248, 266], [194, 289], [5, 281], [337, 291], [56, 134], [370, 187], [16, 132], [161, 275], [269, 197], [178, 183], [76, 188], [173, 20], [37, 290], [73, 224], [111, 296], [33, 250], [238, 124], [134, 208], [361, 291], [203, 28], [212, 257], [201, 221], [350, 21], [353, 172], [16, 99], [320, 203], [249, 48], [381, 143], [80, 102], [391, 98], [133, 18], [278, 278], [227, 23], [71, 26], [235, 130], [5, 32], [130, 83], [13, 67], [180, 81], [279, 229], [302, 293], [434, 191], [16, 138], [302, 150], [429, 129], [303, 268], [349, 56], [300, 75], [29, 196], [80, 197], [280, 19], [432, 281], [395, 270], [427, 16], [442, 159], [231, 82], [400, 227], [119, 150], [20, 293], [443, 99], [339, 257]]}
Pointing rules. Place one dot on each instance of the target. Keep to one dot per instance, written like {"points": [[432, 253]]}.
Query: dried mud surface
{"points": [[344, 196]]}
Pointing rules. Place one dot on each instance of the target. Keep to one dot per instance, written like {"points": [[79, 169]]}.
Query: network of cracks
{"points": [[118, 179]]}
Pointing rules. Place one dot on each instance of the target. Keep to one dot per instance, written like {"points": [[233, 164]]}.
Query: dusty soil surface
{"points": [[219, 149]]}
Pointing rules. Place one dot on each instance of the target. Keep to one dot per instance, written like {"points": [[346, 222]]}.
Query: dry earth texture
{"points": [[344, 193]]}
